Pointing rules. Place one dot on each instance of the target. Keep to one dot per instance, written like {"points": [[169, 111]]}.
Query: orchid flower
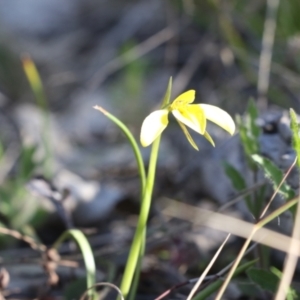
{"points": [[187, 114]]}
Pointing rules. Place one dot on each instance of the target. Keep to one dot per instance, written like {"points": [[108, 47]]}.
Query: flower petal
{"points": [[183, 99], [218, 116], [187, 135], [153, 126], [192, 116], [209, 138]]}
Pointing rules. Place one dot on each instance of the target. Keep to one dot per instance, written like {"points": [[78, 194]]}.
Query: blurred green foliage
{"points": [[17, 205]]}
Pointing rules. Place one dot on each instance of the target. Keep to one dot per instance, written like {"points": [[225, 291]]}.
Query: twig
{"points": [[278, 188], [266, 53], [103, 284], [208, 279], [242, 194], [131, 55], [44, 188], [27, 239], [201, 278], [171, 49]]}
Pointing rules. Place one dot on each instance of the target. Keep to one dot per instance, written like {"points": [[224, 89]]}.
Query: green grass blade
{"points": [[265, 279], [37, 88], [35, 81], [87, 254]]}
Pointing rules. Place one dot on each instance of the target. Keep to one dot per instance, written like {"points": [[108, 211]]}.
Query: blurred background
{"points": [[120, 55]]}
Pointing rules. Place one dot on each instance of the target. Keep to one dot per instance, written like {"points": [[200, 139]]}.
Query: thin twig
{"points": [[202, 277], [241, 195], [278, 188], [209, 279], [44, 188], [103, 284], [266, 53], [172, 47], [131, 55], [27, 239]]}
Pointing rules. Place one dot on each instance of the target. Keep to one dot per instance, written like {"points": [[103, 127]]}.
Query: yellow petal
{"points": [[209, 138], [153, 126], [192, 116], [183, 99], [188, 136], [218, 116]]}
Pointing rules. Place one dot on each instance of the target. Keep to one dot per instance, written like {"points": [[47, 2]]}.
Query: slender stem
{"points": [[136, 278], [138, 246], [133, 143], [142, 222]]}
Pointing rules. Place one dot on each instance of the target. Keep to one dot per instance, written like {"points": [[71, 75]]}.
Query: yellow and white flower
{"points": [[187, 114]]}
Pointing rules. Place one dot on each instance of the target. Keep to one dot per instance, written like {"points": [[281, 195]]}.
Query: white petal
{"points": [[219, 117], [153, 126]]}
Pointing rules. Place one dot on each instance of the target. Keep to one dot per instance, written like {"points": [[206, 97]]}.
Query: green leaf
{"points": [[167, 96], [246, 139], [249, 132], [253, 114], [295, 131], [273, 173], [237, 181], [235, 176], [264, 279], [292, 293]]}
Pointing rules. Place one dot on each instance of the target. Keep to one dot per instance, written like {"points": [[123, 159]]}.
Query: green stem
{"points": [[133, 143], [138, 268], [142, 222], [139, 242]]}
